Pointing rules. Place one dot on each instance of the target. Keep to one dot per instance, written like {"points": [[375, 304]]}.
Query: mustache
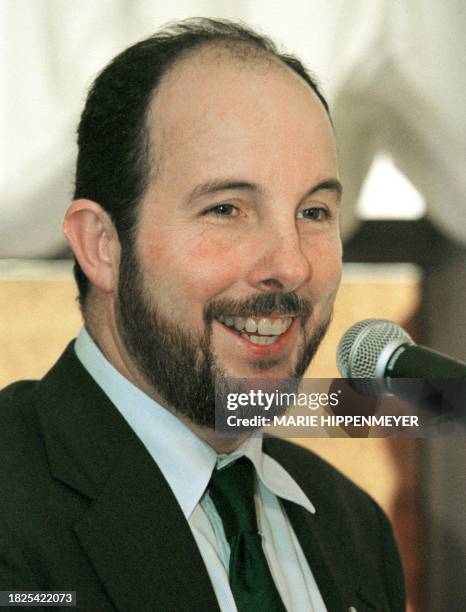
{"points": [[261, 305]]}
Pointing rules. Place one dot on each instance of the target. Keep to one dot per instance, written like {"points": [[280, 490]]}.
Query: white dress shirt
{"points": [[187, 463]]}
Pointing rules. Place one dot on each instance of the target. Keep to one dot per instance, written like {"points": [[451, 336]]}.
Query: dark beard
{"points": [[181, 368]]}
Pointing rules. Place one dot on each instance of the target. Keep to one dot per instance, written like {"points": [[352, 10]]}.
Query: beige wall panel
{"points": [[37, 319]]}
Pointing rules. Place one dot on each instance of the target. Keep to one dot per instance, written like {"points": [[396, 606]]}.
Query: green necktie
{"points": [[232, 491]]}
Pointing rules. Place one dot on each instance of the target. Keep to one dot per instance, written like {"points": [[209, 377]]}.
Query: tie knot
{"points": [[232, 491]]}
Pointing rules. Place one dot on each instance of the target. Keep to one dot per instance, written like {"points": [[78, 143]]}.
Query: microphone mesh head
{"points": [[361, 346]]}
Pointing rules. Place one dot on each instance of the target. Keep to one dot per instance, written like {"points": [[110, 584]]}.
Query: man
{"points": [[205, 232]]}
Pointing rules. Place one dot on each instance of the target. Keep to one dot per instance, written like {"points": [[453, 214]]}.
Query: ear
{"points": [[94, 242]]}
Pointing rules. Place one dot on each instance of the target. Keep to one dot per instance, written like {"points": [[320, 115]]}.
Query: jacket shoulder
{"points": [[16, 402], [20, 436], [14, 392]]}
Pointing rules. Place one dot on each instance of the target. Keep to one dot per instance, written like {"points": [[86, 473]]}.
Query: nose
{"points": [[280, 263]]}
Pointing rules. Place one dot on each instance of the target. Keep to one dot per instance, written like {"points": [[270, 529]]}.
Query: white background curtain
{"points": [[394, 72]]}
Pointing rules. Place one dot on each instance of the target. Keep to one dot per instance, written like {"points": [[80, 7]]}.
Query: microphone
{"points": [[379, 358], [377, 348]]}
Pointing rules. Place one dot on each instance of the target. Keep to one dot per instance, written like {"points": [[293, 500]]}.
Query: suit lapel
{"points": [[340, 584], [322, 565], [140, 543], [134, 532], [325, 541]]}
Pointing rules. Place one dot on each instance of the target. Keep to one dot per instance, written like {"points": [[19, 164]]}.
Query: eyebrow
{"points": [[332, 184], [216, 186], [221, 185]]}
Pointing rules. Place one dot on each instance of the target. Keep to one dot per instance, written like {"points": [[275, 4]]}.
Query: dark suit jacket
{"points": [[83, 507]]}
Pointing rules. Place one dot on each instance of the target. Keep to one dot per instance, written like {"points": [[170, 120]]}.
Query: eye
{"points": [[223, 210], [315, 213]]}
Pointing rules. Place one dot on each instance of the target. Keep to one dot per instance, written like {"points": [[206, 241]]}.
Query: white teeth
{"points": [[251, 326], [285, 324], [260, 339], [266, 327], [239, 323], [280, 325], [263, 326]]}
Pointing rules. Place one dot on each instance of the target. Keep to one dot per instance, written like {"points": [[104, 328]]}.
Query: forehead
{"points": [[249, 114]]}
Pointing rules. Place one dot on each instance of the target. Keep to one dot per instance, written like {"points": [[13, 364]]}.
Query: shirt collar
{"points": [[184, 459], [272, 475]]}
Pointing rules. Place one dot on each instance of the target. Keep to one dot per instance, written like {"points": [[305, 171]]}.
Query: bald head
{"points": [[220, 104]]}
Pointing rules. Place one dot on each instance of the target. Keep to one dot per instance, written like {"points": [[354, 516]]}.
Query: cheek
{"points": [[217, 265], [326, 264], [195, 269]]}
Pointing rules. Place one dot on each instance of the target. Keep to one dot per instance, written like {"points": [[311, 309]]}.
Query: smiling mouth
{"points": [[258, 330]]}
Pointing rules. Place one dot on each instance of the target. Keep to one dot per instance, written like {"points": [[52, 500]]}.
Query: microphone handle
{"points": [[414, 361]]}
